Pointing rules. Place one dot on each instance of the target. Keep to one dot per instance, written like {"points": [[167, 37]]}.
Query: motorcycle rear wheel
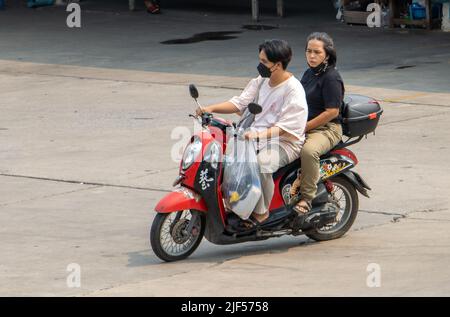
{"points": [[168, 239], [344, 189]]}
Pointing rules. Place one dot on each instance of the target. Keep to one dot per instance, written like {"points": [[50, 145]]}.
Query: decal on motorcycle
{"points": [[184, 191], [204, 180], [329, 168], [333, 159], [187, 193], [286, 193]]}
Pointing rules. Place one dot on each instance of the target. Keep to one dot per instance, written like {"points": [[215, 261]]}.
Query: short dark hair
{"points": [[277, 51], [328, 45]]}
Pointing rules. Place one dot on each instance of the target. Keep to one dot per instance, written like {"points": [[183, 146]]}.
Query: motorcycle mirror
{"points": [[193, 91], [254, 108]]}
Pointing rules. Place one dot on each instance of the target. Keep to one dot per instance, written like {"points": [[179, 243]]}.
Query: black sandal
{"points": [[252, 223], [301, 213]]}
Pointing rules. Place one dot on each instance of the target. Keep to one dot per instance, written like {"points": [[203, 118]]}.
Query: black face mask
{"points": [[264, 71], [319, 69]]}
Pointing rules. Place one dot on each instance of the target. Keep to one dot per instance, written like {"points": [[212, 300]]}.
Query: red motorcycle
{"points": [[195, 208]]}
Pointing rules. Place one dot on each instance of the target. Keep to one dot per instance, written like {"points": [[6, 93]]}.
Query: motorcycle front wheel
{"points": [[344, 195], [169, 238]]}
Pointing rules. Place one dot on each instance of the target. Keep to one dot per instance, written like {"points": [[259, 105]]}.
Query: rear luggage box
{"points": [[359, 115]]}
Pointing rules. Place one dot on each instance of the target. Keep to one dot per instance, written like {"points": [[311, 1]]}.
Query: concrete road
{"points": [[112, 37]]}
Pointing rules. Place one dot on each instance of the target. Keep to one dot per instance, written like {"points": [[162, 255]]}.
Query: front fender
{"points": [[180, 199]]}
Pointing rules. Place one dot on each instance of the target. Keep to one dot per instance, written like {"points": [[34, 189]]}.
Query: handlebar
{"points": [[205, 118]]}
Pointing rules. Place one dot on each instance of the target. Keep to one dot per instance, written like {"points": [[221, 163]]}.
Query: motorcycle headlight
{"points": [[191, 152], [213, 155]]}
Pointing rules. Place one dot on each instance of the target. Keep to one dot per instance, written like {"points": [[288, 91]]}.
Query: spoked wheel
{"points": [[345, 197], [173, 237]]}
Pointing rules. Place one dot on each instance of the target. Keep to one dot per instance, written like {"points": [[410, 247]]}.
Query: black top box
{"points": [[359, 115]]}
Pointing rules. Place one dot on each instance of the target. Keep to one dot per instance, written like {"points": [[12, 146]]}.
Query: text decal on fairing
{"points": [[204, 180]]}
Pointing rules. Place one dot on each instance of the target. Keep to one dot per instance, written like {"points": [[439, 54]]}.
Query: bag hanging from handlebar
{"points": [[241, 187]]}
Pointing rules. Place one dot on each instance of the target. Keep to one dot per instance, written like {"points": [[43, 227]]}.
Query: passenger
{"points": [[324, 90]]}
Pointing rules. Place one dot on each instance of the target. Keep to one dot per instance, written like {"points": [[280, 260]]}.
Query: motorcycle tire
{"points": [[156, 238], [351, 196]]}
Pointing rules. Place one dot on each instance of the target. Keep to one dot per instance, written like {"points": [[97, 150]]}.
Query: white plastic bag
{"points": [[241, 187]]}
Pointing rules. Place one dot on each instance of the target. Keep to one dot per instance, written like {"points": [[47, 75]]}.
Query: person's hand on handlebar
{"points": [[201, 110]]}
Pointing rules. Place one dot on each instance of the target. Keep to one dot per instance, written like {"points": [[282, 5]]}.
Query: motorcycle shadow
{"points": [[210, 253]]}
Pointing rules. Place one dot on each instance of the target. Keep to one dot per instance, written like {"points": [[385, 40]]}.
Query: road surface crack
{"points": [[85, 183]]}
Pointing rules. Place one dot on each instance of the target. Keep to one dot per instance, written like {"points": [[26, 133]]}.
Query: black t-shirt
{"points": [[323, 91]]}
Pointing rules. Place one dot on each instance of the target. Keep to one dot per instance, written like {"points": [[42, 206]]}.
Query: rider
{"points": [[324, 90], [281, 124]]}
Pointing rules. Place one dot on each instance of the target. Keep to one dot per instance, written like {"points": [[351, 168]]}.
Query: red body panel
{"points": [[219, 195], [347, 153], [176, 201], [191, 172], [277, 199]]}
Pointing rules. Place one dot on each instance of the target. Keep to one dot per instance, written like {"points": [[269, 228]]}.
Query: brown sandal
{"points": [[302, 207]]}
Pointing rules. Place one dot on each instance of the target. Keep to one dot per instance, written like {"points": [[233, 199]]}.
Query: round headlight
{"points": [[213, 154], [191, 152]]}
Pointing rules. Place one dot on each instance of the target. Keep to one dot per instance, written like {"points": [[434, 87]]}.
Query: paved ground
{"points": [[113, 37], [86, 154]]}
